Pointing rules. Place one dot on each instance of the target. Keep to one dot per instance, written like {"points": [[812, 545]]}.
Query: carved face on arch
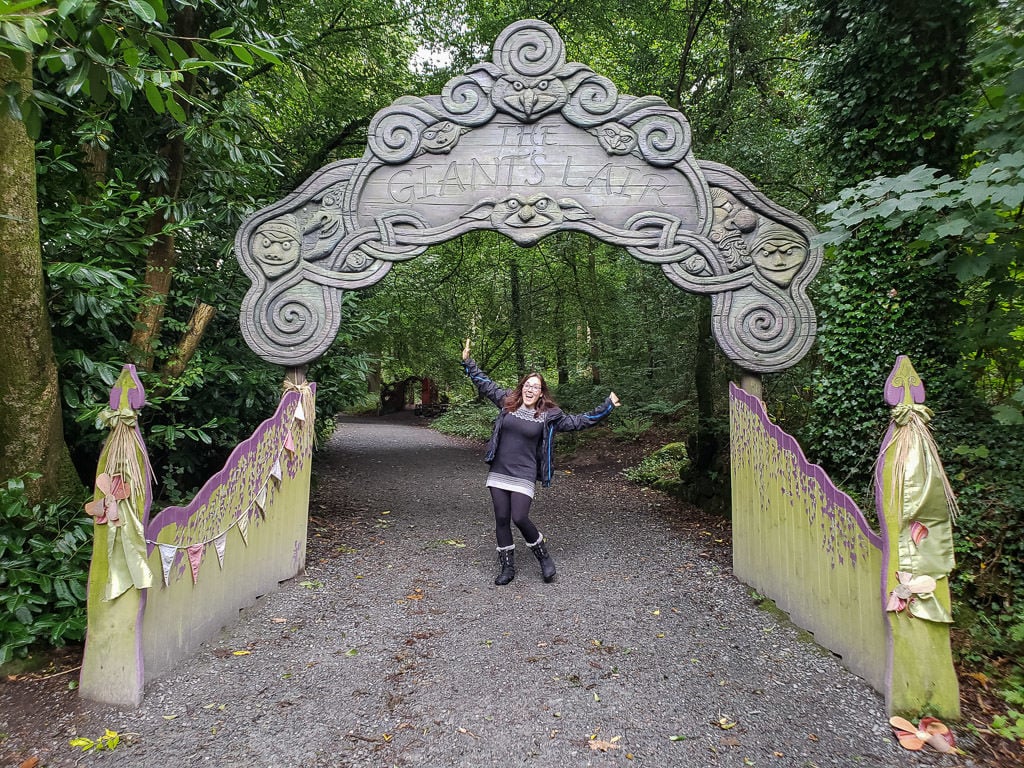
{"points": [[528, 97], [275, 246], [778, 253], [528, 219]]}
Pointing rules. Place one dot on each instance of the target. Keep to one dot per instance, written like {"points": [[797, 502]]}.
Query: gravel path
{"points": [[395, 648]]}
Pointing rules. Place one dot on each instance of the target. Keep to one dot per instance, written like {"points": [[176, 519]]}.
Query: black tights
{"points": [[511, 507]]}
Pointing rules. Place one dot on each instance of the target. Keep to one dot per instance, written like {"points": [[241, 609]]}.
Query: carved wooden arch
{"points": [[527, 145]]}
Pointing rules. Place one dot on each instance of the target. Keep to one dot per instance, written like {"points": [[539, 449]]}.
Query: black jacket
{"points": [[555, 420]]}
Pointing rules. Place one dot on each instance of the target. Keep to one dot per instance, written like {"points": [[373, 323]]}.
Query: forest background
{"points": [[135, 135]]}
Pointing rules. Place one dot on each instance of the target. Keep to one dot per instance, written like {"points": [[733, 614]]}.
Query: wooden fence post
{"points": [[112, 667], [916, 509]]}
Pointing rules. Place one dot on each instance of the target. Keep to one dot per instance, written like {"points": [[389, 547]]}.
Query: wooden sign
{"points": [[528, 145]]}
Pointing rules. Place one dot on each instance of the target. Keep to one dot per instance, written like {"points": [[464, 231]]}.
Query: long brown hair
{"points": [[515, 397]]}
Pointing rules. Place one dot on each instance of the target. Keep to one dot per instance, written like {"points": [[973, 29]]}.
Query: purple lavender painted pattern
{"points": [[779, 462], [232, 492]]}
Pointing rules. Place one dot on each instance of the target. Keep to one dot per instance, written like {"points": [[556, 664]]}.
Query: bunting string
{"points": [[196, 550]]}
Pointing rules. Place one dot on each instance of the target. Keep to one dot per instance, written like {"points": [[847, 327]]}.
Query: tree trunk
{"points": [[517, 318], [31, 430], [161, 260], [163, 256], [702, 481], [592, 331], [704, 443], [201, 317]]}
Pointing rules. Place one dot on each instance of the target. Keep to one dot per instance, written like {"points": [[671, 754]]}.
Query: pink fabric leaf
{"points": [[119, 487], [918, 532]]}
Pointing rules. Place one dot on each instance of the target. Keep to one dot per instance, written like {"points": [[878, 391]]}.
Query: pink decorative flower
{"points": [[114, 489], [908, 587], [929, 731]]}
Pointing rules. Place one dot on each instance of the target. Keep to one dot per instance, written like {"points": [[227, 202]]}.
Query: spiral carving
{"points": [[591, 101], [292, 326], [466, 99], [531, 48], [293, 317], [395, 134], [763, 325], [663, 139]]}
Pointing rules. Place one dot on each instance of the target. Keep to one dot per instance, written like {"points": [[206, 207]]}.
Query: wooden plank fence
{"points": [[243, 533], [805, 544]]}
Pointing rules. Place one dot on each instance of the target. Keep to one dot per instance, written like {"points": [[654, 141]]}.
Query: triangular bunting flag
{"points": [[275, 471], [289, 442], [167, 553], [195, 559], [300, 412], [243, 526], [261, 499], [219, 543]]}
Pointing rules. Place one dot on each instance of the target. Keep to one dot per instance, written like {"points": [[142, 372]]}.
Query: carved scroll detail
{"points": [[528, 144]]}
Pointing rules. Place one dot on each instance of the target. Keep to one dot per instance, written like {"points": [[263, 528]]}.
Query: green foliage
{"points": [[889, 80], [629, 426], [970, 225], [661, 469], [986, 469], [111, 51], [1009, 726], [874, 304], [44, 552], [474, 420]]}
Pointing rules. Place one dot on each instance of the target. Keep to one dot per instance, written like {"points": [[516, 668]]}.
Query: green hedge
{"points": [[44, 567]]}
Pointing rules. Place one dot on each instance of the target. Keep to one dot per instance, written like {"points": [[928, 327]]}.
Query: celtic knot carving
{"points": [[527, 145]]}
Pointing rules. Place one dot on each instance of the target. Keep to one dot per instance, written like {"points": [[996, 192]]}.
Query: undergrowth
{"points": [[45, 551]]}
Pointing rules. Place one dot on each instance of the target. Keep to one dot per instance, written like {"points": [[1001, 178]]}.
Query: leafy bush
{"points": [[473, 420], [45, 551], [660, 469], [630, 425], [986, 468]]}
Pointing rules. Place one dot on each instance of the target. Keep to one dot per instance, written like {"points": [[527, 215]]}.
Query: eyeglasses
{"points": [[531, 387]]}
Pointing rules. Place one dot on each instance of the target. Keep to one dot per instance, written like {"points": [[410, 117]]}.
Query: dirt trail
{"points": [[395, 648]]}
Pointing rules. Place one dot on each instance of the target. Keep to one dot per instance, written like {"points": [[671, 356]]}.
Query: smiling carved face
{"points": [[778, 254]]}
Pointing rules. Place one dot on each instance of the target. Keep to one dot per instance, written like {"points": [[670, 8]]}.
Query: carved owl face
{"points": [[528, 98]]}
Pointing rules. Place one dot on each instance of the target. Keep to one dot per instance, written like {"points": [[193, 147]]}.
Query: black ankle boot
{"points": [[547, 565], [507, 561]]}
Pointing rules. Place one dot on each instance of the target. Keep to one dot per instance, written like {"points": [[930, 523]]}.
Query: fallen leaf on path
{"points": [[981, 677], [32, 762], [597, 745], [725, 723]]}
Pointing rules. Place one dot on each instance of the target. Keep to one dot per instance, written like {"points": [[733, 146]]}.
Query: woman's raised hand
{"points": [[614, 399], [465, 351]]}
